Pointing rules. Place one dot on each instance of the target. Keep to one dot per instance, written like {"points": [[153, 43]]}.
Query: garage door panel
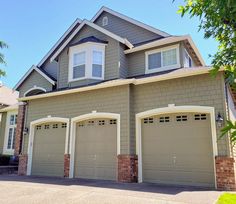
{"points": [[177, 148], [96, 149], [49, 149]]}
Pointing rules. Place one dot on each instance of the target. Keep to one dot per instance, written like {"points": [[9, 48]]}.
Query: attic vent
{"points": [[105, 21]]}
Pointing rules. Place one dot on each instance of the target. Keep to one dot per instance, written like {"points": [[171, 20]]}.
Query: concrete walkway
{"points": [[41, 190]]}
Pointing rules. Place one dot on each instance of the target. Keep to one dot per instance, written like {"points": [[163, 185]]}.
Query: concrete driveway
{"points": [[35, 190]]}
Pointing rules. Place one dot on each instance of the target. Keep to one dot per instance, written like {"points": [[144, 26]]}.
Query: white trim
{"points": [[88, 116], [31, 136], [59, 41], [183, 72], [162, 68], [131, 20], [7, 127], [34, 88], [164, 41], [88, 49], [102, 30], [173, 109], [33, 68]]}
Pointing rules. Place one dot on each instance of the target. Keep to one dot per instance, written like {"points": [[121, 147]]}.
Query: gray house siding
{"points": [[2, 130], [51, 68], [202, 90], [34, 79], [125, 29], [123, 63], [111, 58], [110, 100]]}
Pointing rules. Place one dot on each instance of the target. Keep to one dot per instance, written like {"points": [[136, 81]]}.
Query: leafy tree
{"points": [[2, 61], [218, 20]]}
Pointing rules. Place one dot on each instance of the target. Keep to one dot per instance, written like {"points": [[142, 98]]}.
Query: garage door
{"points": [[96, 149], [177, 149], [49, 149]]}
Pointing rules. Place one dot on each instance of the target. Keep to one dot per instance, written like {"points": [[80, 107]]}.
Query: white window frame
{"points": [[162, 68], [185, 51], [88, 48], [8, 126]]}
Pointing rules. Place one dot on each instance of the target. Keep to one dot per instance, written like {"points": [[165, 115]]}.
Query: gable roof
{"points": [[102, 30], [131, 20], [77, 21], [163, 41], [89, 39], [42, 73]]}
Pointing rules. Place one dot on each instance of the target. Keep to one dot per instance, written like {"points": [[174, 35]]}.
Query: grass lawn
{"points": [[227, 198]]}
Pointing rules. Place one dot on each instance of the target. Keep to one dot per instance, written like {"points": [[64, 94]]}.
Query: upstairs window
{"points": [[187, 59], [105, 21], [86, 61], [162, 59]]}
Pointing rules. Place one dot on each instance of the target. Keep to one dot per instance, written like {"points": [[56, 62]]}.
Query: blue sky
{"points": [[31, 27]]}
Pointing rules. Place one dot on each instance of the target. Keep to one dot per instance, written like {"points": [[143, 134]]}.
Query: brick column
{"points": [[22, 168], [127, 168], [66, 165], [19, 129], [225, 173]]}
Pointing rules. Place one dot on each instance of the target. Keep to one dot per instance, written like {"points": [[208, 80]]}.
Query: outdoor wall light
{"points": [[219, 120], [26, 130]]}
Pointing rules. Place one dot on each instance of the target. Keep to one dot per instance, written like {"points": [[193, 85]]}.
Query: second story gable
{"points": [[110, 46]]}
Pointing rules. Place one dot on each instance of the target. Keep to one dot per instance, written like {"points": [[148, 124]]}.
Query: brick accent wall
{"points": [[66, 165], [19, 129], [225, 173], [127, 168], [22, 168]]}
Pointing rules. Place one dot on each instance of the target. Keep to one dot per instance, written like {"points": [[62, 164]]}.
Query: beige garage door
{"points": [[49, 149], [177, 149], [96, 149]]}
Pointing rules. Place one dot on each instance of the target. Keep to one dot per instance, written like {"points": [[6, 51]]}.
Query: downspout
{"points": [[24, 127]]}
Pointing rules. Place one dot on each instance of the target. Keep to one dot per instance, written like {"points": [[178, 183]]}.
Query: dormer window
{"points": [[86, 61], [162, 59]]}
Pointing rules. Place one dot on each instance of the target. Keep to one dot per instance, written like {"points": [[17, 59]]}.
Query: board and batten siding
{"points": [[111, 58], [125, 29], [201, 90], [2, 130], [34, 79], [109, 100]]}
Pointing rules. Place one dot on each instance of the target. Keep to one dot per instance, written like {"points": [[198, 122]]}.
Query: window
{"points": [[180, 118], [187, 59], [46, 127], [147, 120], [200, 117], [63, 125], [79, 65], [97, 64], [11, 131], [86, 61], [55, 126], [164, 119], [105, 21], [162, 59]]}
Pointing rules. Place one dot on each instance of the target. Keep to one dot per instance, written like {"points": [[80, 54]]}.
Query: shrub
{"points": [[4, 160]]}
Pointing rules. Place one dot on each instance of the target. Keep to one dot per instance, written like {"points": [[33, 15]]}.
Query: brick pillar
{"points": [[66, 165], [19, 129], [127, 168], [22, 168], [225, 173]]}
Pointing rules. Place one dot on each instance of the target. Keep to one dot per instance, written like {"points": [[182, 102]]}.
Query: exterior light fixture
{"points": [[219, 120]]}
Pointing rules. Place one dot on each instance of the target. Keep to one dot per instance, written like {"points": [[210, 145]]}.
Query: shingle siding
{"points": [[112, 100], [125, 29], [200, 90], [111, 57], [34, 79]]}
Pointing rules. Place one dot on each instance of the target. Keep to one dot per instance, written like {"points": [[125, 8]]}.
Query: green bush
{"points": [[4, 160]]}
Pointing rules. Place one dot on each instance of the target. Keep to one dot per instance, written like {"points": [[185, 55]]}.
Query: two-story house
{"points": [[116, 99]]}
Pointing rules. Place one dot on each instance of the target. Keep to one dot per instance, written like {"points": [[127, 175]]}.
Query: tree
{"points": [[2, 61], [218, 20]]}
